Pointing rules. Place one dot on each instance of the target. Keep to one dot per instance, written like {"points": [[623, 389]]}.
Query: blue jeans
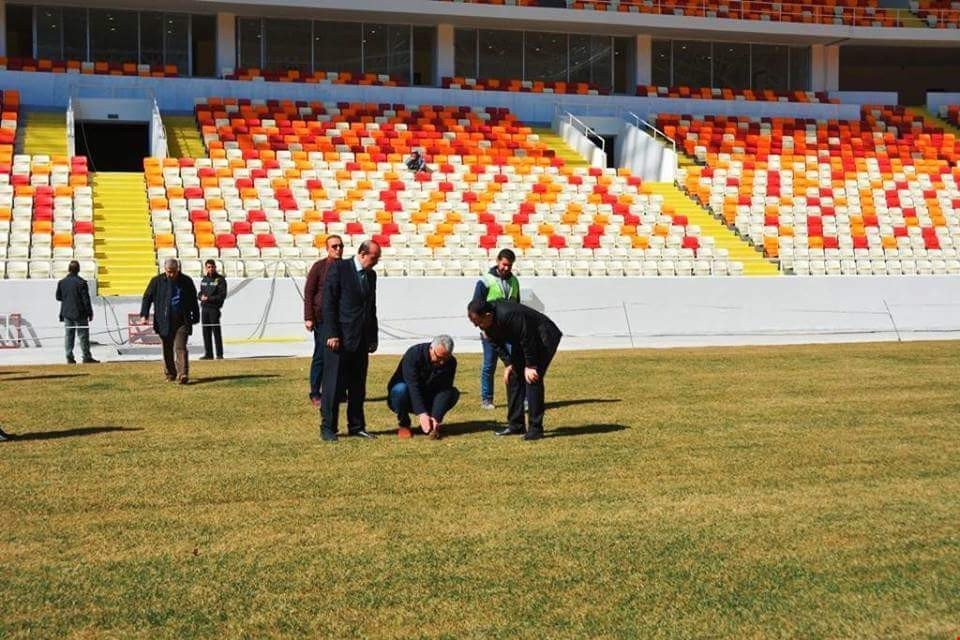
{"points": [[398, 400], [487, 370], [316, 364], [74, 329]]}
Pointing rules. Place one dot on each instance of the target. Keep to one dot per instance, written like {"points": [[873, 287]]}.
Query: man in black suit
{"points": [[350, 328], [533, 339], [174, 298], [76, 312], [423, 384], [213, 293]]}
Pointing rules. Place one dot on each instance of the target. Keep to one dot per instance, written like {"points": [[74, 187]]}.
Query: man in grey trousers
{"points": [[76, 312]]}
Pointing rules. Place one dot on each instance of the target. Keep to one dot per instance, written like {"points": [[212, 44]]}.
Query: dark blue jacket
{"points": [[424, 381], [159, 294]]}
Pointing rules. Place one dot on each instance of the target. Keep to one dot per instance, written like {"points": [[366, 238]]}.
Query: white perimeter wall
{"points": [[937, 100], [592, 312]]}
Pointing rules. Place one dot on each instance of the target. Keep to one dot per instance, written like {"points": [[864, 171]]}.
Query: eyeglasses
{"points": [[336, 246]]}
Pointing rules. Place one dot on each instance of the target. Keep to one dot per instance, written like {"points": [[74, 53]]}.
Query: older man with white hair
{"points": [[423, 385], [173, 296]]}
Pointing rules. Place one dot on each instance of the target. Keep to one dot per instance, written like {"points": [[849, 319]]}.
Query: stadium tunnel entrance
{"points": [[115, 134], [113, 146]]}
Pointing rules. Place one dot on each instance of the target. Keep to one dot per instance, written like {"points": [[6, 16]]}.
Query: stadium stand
{"points": [[265, 200], [722, 93], [876, 196], [524, 86], [317, 77], [861, 13], [89, 67]]}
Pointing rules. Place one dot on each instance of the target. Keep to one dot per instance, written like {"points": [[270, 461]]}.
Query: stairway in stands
{"points": [[123, 241], [570, 157], [45, 133], [754, 264], [935, 120], [183, 136]]}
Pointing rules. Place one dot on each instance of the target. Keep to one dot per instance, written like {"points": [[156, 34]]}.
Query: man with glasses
{"points": [[423, 384], [313, 312]]}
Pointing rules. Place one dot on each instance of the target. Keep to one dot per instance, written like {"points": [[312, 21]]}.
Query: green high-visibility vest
{"points": [[495, 290]]}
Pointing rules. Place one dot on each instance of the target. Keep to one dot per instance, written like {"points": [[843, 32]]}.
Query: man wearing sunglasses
{"points": [[313, 312]]}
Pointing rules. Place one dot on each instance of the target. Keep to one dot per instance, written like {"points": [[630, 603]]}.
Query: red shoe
{"points": [[404, 432]]}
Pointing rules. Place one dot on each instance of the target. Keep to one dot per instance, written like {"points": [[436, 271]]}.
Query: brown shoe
{"points": [[435, 433], [183, 380]]}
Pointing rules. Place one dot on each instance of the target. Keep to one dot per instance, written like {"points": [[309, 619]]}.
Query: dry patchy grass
{"points": [[762, 492]]}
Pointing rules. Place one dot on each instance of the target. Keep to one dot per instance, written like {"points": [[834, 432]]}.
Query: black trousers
{"points": [[210, 317], [346, 372], [518, 390]]}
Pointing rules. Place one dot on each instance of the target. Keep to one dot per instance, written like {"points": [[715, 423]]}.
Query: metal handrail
{"points": [[587, 130], [641, 123], [71, 131]]}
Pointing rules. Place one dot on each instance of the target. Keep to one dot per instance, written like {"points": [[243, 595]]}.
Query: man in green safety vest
{"points": [[497, 284]]}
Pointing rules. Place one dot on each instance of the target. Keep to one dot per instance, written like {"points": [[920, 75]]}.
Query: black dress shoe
{"points": [[362, 433], [328, 436], [205, 358], [71, 360], [90, 361], [509, 431], [533, 434]]}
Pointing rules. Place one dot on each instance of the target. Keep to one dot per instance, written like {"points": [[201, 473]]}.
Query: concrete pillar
{"points": [[3, 28], [818, 78], [643, 60], [226, 42], [832, 68], [445, 53], [824, 68]]}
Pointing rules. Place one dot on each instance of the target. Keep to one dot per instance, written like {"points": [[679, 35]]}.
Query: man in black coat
{"points": [[350, 327], [76, 312], [423, 384], [533, 339], [174, 298], [213, 292]]}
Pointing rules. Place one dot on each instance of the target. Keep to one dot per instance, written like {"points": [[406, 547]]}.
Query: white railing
{"points": [[590, 133], [71, 132], [158, 133]]}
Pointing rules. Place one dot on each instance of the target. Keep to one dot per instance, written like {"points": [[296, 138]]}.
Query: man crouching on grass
{"points": [[423, 384]]}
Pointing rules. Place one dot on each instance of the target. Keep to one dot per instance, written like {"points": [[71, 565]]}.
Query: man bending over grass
{"points": [[423, 384]]}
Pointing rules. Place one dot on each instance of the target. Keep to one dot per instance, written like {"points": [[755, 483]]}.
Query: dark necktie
{"points": [[364, 286]]}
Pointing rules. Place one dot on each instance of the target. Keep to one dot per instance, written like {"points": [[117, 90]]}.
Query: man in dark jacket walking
{"points": [[174, 298], [213, 293], [76, 312], [423, 384], [533, 339], [313, 312]]}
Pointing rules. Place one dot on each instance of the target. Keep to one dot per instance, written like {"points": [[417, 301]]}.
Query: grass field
{"points": [[796, 492]]}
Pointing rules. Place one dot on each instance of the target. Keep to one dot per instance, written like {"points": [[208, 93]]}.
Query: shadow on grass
{"points": [[68, 433], [449, 429], [237, 378], [11, 373], [560, 404], [377, 399], [50, 376], [585, 430]]}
